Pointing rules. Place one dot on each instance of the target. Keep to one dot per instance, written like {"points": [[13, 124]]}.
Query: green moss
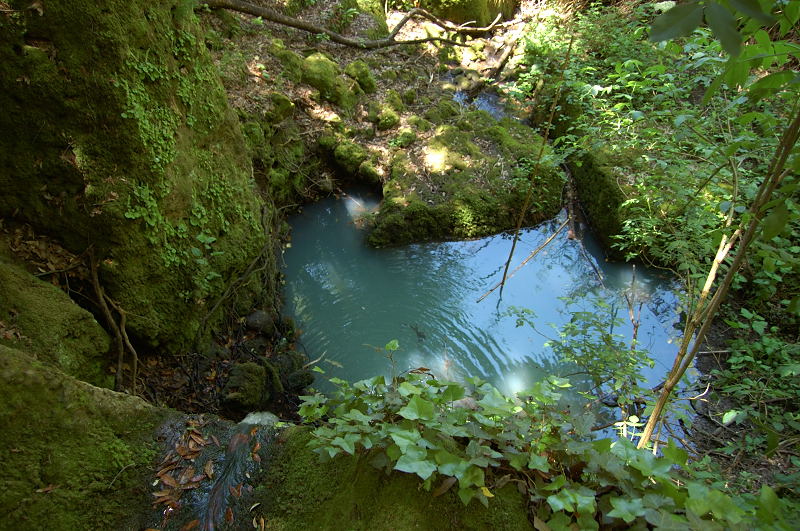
{"points": [[49, 323], [131, 124], [421, 124], [74, 456], [282, 107], [409, 96], [292, 63], [368, 173], [387, 118], [359, 71], [444, 110], [405, 138], [394, 100], [477, 174], [598, 188], [302, 493], [325, 75], [349, 156], [247, 387]]}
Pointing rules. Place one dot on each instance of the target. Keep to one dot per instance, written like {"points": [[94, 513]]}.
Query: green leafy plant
{"points": [[475, 441]]}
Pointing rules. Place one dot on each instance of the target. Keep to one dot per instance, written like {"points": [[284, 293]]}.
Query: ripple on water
{"points": [[350, 300]]}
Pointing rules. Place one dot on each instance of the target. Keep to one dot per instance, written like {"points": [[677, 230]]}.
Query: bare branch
{"points": [[373, 44]]}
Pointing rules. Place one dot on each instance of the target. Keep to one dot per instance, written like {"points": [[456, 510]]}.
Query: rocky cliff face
{"points": [[117, 136]]}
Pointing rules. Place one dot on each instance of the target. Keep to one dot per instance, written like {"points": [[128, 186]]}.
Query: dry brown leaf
{"points": [[257, 447], [228, 515], [256, 458], [191, 525], [208, 468], [196, 437], [186, 475], [169, 481], [49, 488], [216, 441], [162, 493], [163, 499]]}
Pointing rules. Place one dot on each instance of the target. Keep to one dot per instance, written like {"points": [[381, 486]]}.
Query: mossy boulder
{"points": [[74, 456], [405, 138], [39, 317], [352, 159], [300, 492], [597, 181], [319, 71], [387, 118], [360, 71], [480, 12], [124, 142], [247, 388], [292, 63], [467, 180]]}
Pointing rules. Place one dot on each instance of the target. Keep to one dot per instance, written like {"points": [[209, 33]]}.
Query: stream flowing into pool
{"points": [[350, 300]]}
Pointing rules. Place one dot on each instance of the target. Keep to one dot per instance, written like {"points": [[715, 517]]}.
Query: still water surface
{"points": [[349, 300]]}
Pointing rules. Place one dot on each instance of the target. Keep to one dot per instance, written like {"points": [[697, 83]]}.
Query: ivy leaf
{"points": [[674, 454], [473, 475], [452, 393], [414, 465], [679, 21], [405, 438], [628, 510], [723, 25], [561, 501], [538, 462], [768, 504], [449, 464], [417, 408]]}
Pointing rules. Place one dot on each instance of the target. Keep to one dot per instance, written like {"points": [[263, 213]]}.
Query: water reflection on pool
{"points": [[350, 300]]}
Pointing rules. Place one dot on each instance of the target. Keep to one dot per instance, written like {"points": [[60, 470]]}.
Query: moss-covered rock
{"points": [[349, 156], [39, 317], [292, 63], [359, 71], [323, 74], [596, 175], [74, 456], [477, 174], [247, 387], [299, 492], [387, 118], [405, 138], [129, 147]]}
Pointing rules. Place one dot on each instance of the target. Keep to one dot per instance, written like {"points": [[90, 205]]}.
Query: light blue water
{"points": [[349, 300]]}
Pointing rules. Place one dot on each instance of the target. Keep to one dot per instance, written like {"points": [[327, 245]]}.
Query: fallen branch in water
{"points": [[530, 256]]}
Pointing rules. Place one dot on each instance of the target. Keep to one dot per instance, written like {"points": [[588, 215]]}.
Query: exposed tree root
{"points": [[372, 44], [120, 332]]}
